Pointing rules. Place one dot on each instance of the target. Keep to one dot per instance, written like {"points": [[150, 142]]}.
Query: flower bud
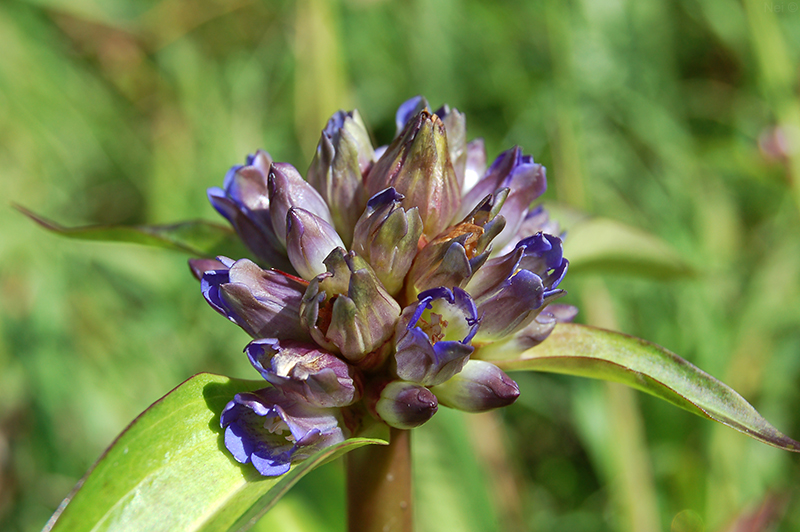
{"points": [[310, 239], [305, 372], [265, 303], [433, 336], [347, 307], [405, 405], [244, 202], [387, 236], [417, 164], [270, 430], [526, 181], [479, 387], [344, 154], [288, 189]]}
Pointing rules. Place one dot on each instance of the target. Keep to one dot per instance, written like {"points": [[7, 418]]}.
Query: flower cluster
{"points": [[391, 272]]}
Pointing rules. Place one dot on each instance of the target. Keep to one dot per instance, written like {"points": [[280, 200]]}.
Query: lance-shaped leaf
{"points": [[595, 244], [169, 470], [195, 237], [590, 352]]}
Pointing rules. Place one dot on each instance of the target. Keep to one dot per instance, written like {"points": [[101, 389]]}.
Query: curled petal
{"points": [[270, 430], [305, 372], [265, 303], [433, 336], [416, 360]]}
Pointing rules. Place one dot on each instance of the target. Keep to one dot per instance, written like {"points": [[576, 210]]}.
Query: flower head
{"points": [[395, 273]]}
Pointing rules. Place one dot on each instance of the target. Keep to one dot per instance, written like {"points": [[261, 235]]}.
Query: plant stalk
{"points": [[379, 486]]}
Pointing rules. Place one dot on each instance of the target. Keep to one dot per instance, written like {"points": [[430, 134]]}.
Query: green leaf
{"points": [[603, 245], [590, 352], [169, 470], [196, 237], [595, 244]]}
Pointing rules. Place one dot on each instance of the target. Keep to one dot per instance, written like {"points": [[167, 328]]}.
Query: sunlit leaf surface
{"points": [[590, 352], [169, 470]]}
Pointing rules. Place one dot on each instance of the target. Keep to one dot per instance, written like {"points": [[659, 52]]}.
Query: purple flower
{"points": [[401, 299], [265, 303], [433, 336], [270, 430], [510, 291], [244, 202], [305, 372]]}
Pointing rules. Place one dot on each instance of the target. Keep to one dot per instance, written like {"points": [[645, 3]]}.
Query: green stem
{"points": [[379, 486]]}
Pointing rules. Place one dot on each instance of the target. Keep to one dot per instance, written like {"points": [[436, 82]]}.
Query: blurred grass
{"points": [[679, 118]]}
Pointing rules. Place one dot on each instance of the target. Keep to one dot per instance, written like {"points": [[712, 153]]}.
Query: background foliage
{"points": [[658, 114]]}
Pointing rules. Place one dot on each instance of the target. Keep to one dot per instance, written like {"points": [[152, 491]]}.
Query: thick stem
{"points": [[379, 486]]}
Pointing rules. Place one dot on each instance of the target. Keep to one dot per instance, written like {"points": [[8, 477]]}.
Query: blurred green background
{"points": [[679, 118]]}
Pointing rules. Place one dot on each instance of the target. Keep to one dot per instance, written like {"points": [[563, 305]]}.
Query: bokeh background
{"points": [[680, 118]]}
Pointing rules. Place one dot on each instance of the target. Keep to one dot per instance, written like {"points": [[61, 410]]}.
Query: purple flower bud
{"points": [[405, 405], [510, 291], [387, 237], [270, 430], [265, 303], [417, 164], [288, 189], [452, 257], [347, 307], [309, 240], [244, 202], [479, 387], [526, 181], [305, 372], [433, 336], [344, 154]]}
